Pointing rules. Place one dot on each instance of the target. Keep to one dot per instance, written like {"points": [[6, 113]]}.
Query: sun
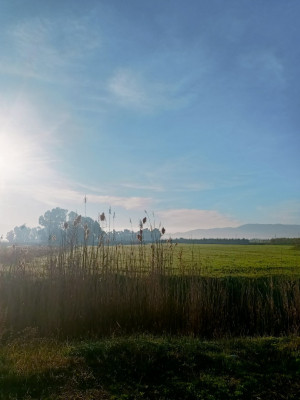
{"points": [[12, 158]]}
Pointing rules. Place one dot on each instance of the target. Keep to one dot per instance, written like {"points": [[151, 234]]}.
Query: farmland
{"points": [[243, 260]]}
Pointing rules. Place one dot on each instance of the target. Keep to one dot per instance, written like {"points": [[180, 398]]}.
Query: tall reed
{"points": [[78, 290]]}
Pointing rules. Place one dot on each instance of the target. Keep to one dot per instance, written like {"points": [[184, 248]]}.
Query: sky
{"points": [[186, 110]]}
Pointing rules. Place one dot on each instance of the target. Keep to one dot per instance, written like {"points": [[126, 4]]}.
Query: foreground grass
{"points": [[147, 367]]}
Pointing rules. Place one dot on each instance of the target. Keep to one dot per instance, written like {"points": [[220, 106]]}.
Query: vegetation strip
{"points": [[81, 291]]}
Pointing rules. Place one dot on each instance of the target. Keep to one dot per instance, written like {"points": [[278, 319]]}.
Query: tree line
{"points": [[212, 241], [61, 227]]}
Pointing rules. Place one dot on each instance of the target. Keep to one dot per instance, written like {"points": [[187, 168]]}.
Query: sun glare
{"points": [[12, 158]]}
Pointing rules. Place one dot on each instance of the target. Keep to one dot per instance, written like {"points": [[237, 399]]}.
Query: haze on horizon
{"points": [[189, 112]]}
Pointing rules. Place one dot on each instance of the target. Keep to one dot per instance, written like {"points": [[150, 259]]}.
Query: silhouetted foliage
{"points": [[211, 241], [286, 241], [58, 226]]}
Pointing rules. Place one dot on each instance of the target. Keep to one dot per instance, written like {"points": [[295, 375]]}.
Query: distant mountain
{"points": [[248, 231]]}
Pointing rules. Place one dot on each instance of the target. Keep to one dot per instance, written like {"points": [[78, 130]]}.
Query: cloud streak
{"points": [[181, 220], [136, 186], [45, 49], [267, 67], [129, 88], [54, 194]]}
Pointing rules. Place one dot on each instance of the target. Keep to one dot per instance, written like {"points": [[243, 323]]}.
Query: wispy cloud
{"points": [[193, 187], [50, 190], [183, 173], [181, 220], [52, 194], [46, 49], [153, 188], [124, 86], [267, 66], [285, 212], [131, 89]]}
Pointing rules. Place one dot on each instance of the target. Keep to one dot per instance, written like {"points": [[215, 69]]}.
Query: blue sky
{"points": [[189, 110]]}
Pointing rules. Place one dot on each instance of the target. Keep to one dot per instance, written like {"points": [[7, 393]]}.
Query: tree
{"points": [[22, 234], [10, 236], [53, 221]]}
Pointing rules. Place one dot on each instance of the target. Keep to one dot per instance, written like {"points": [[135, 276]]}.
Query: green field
{"points": [[241, 260]]}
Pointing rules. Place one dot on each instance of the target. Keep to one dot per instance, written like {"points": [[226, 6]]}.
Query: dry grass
{"points": [[78, 291]]}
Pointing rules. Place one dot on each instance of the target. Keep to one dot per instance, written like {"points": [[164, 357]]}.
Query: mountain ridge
{"points": [[246, 231]]}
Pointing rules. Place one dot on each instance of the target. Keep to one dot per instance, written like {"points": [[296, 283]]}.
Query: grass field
{"points": [[242, 260]]}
